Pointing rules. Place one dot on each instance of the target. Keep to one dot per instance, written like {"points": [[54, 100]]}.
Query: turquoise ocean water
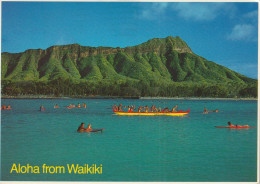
{"points": [[132, 148]]}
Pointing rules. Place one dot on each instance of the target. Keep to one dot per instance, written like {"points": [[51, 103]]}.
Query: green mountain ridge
{"points": [[157, 63]]}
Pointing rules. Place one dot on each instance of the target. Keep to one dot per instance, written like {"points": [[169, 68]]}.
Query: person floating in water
{"points": [[205, 111], [56, 106], [78, 105], [9, 107], [3, 106], [42, 108], [81, 128], [84, 105]]}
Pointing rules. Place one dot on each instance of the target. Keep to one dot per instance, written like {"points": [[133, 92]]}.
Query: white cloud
{"points": [[203, 11], [251, 17], [252, 14], [242, 32], [154, 10]]}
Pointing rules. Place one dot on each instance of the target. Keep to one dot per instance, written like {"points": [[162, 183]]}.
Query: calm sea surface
{"points": [[132, 148]]}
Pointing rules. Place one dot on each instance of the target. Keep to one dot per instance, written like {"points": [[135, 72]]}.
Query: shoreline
{"points": [[194, 98], [119, 97]]}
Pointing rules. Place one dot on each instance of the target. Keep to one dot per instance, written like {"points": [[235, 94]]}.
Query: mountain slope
{"points": [[156, 62]]}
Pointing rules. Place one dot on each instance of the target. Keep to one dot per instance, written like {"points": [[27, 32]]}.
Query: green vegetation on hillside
{"points": [[159, 67]]}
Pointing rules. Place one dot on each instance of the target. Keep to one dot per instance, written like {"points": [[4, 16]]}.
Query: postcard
{"points": [[129, 92]]}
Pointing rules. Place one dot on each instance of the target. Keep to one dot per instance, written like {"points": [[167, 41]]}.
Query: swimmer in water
{"points": [[81, 128], [42, 108], [237, 126]]}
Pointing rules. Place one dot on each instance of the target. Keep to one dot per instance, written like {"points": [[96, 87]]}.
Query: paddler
{"points": [[236, 126], [140, 108], [129, 108], [152, 108], [120, 107], [174, 108], [146, 108], [132, 108], [166, 109], [230, 125], [84, 105], [3, 106], [115, 107]]}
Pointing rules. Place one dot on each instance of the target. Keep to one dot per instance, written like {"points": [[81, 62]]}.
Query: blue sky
{"points": [[225, 33]]}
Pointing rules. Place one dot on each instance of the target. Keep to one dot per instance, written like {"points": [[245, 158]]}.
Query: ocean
{"points": [[131, 148]]}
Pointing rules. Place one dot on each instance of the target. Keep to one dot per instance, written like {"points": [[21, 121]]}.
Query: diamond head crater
{"points": [[160, 67]]}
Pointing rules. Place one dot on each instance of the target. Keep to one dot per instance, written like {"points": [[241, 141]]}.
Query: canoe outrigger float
{"points": [[178, 113]]}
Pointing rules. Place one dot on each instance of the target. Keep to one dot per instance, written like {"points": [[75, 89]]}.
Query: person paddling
{"points": [[237, 126], [230, 125], [174, 108], [120, 107], [115, 107], [140, 108]]}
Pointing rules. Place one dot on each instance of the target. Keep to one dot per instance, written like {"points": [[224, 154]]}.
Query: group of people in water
{"points": [[68, 107], [4, 107], [77, 106], [131, 108]]}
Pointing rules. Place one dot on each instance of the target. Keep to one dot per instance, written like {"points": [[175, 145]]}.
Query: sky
{"points": [[226, 33]]}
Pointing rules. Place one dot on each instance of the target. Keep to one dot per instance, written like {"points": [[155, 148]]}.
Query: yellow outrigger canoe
{"points": [[178, 113]]}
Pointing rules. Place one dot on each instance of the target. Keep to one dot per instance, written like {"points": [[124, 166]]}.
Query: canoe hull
{"points": [[178, 113]]}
